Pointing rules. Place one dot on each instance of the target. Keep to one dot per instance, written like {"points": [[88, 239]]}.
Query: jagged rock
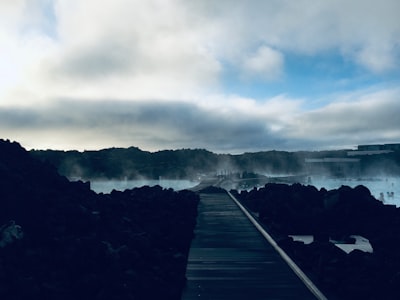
{"points": [[81, 245], [335, 214], [9, 233]]}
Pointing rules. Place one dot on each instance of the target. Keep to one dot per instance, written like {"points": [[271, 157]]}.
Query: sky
{"points": [[229, 76]]}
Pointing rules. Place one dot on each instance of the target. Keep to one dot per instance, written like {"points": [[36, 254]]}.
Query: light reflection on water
{"points": [[106, 186], [377, 186]]}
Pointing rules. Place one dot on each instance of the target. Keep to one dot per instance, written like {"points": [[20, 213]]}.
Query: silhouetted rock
{"points": [[336, 214], [60, 240]]}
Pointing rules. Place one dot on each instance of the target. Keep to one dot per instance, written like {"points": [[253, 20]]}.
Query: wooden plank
{"points": [[230, 259]]}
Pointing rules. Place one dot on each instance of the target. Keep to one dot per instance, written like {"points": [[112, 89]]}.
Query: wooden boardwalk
{"points": [[230, 259]]}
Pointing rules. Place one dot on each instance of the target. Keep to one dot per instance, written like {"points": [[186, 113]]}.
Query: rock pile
{"points": [[337, 214], [67, 242]]}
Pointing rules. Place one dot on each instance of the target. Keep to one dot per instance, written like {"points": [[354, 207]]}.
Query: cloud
{"points": [[278, 123], [152, 73], [369, 117], [378, 58], [150, 125], [181, 49], [120, 49], [304, 27], [147, 48], [266, 64]]}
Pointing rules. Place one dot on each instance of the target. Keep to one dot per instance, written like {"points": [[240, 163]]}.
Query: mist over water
{"points": [[382, 188], [106, 186], [386, 188]]}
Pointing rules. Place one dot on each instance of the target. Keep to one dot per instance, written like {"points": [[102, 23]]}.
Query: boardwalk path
{"points": [[230, 259]]}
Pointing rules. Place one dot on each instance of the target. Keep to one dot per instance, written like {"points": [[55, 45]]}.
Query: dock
{"points": [[231, 259]]}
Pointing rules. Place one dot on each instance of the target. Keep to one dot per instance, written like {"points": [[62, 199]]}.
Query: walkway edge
{"points": [[303, 277]]}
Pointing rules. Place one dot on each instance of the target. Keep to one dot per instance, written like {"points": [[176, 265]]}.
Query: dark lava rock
{"points": [[336, 214], [61, 240]]}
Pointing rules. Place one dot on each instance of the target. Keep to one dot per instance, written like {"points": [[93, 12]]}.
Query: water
{"points": [[106, 186], [377, 186]]}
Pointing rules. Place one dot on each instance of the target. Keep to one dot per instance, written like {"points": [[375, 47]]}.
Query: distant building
{"points": [[379, 147], [374, 149], [367, 152]]}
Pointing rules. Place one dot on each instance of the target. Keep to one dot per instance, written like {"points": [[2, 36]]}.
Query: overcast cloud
{"points": [[229, 76]]}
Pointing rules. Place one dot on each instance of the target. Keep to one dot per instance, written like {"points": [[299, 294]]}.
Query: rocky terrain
{"points": [[334, 216], [60, 240]]}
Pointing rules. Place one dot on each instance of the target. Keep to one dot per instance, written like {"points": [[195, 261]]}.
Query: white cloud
{"points": [[119, 49], [266, 64], [227, 124], [23, 46], [148, 47], [378, 58], [307, 27], [178, 51], [369, 117]]}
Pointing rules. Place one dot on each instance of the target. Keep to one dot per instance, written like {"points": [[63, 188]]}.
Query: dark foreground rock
{"points": [[60, 240], [334, 215]]}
